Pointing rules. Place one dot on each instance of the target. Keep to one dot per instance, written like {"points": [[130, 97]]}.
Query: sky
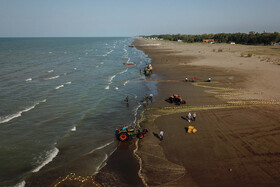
{"points": [[97, 18]]}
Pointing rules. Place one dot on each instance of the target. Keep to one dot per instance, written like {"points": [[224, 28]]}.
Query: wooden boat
{"points": [[129, 63]]}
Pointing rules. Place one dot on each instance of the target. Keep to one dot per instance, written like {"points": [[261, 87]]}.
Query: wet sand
{"points": [[238, 125], [121, 168]]}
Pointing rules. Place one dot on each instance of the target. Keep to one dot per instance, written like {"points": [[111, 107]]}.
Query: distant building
{"points": [[208, 40], [232, 43], [179, 40]]}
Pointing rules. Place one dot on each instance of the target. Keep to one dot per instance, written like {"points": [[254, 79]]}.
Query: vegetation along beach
{"points": [[139, 93]]}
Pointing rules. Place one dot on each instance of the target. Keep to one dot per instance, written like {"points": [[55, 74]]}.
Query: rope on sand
{"points": [[137, 156], [74, 178], [140, 163]]}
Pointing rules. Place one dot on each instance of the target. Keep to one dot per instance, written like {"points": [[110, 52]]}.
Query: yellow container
{"points": [[190, 129], [194, 130]]}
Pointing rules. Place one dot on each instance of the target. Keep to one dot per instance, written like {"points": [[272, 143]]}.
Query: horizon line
{"points": [[67, 36]]}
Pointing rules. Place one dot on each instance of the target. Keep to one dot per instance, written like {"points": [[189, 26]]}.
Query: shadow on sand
{"points": [[156, 135]]}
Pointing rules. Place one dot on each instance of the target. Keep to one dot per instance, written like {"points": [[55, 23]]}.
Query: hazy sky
{"points": [[34, 18]]}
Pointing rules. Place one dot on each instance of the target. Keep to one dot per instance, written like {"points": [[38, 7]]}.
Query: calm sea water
{"points": [[61, 100]]}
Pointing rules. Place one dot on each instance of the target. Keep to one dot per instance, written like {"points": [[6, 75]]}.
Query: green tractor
{"points": [[127, 133]]}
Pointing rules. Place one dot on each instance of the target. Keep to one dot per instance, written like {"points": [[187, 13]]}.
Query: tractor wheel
{"points": [[170, 100], [140, 135], [123, 137]]}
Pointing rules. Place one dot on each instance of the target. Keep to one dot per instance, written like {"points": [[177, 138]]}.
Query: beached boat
{"points": [[129, 63]]}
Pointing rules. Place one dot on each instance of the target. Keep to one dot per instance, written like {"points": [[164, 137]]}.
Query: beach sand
{"points": [[238, 137], [238, 126]]}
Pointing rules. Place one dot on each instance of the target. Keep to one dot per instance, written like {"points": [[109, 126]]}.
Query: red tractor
{"points": [[176, 99], [126, 133]]}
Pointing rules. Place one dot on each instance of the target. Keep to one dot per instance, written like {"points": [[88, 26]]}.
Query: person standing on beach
{"points": [[193, 79], [161, 135], [189, 117], [151, 98], [194, 116]]}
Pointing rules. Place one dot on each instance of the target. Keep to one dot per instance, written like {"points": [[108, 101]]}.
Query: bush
{"points": [[214, 50], [220, 50], [250, 54]]}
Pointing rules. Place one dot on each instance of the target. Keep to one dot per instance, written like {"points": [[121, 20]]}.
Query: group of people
{"points": [[187, 80], [148, 69], [148, 98], [145, 99], [191, 117]]}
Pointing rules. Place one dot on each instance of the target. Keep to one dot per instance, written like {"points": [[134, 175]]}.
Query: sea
{"points": [[61, 100]]}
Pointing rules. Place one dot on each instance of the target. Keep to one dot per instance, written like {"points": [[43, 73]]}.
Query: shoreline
{"points": [[225, 150], [209, 157]]}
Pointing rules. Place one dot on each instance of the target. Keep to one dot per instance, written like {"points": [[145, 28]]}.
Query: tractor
{"points": [[127, 133], [176, 99]]}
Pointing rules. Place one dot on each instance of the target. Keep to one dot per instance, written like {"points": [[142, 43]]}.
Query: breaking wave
{"points": [[58, 87], [112, 78], [21, 184], [50, 155], [74, 129], [126, 82], [55, 77], [108, 53], [8, 118]]}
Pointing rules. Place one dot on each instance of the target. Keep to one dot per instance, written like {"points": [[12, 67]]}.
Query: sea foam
{"points": [[108, 53], [50, 155], [126, 82], [74, 129], [135, 113], [101, 147], [55, 77], [101, 165], [8, 118], [58, 87], [21, 184]]}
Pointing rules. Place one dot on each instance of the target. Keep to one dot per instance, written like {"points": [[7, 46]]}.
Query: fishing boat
{"points": [[129, 63]]}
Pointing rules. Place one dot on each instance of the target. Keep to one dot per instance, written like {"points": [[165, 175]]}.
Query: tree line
{"points": [[252, 38]]}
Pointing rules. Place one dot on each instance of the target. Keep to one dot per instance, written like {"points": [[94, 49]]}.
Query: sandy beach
{"points": [[237, 142]]}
